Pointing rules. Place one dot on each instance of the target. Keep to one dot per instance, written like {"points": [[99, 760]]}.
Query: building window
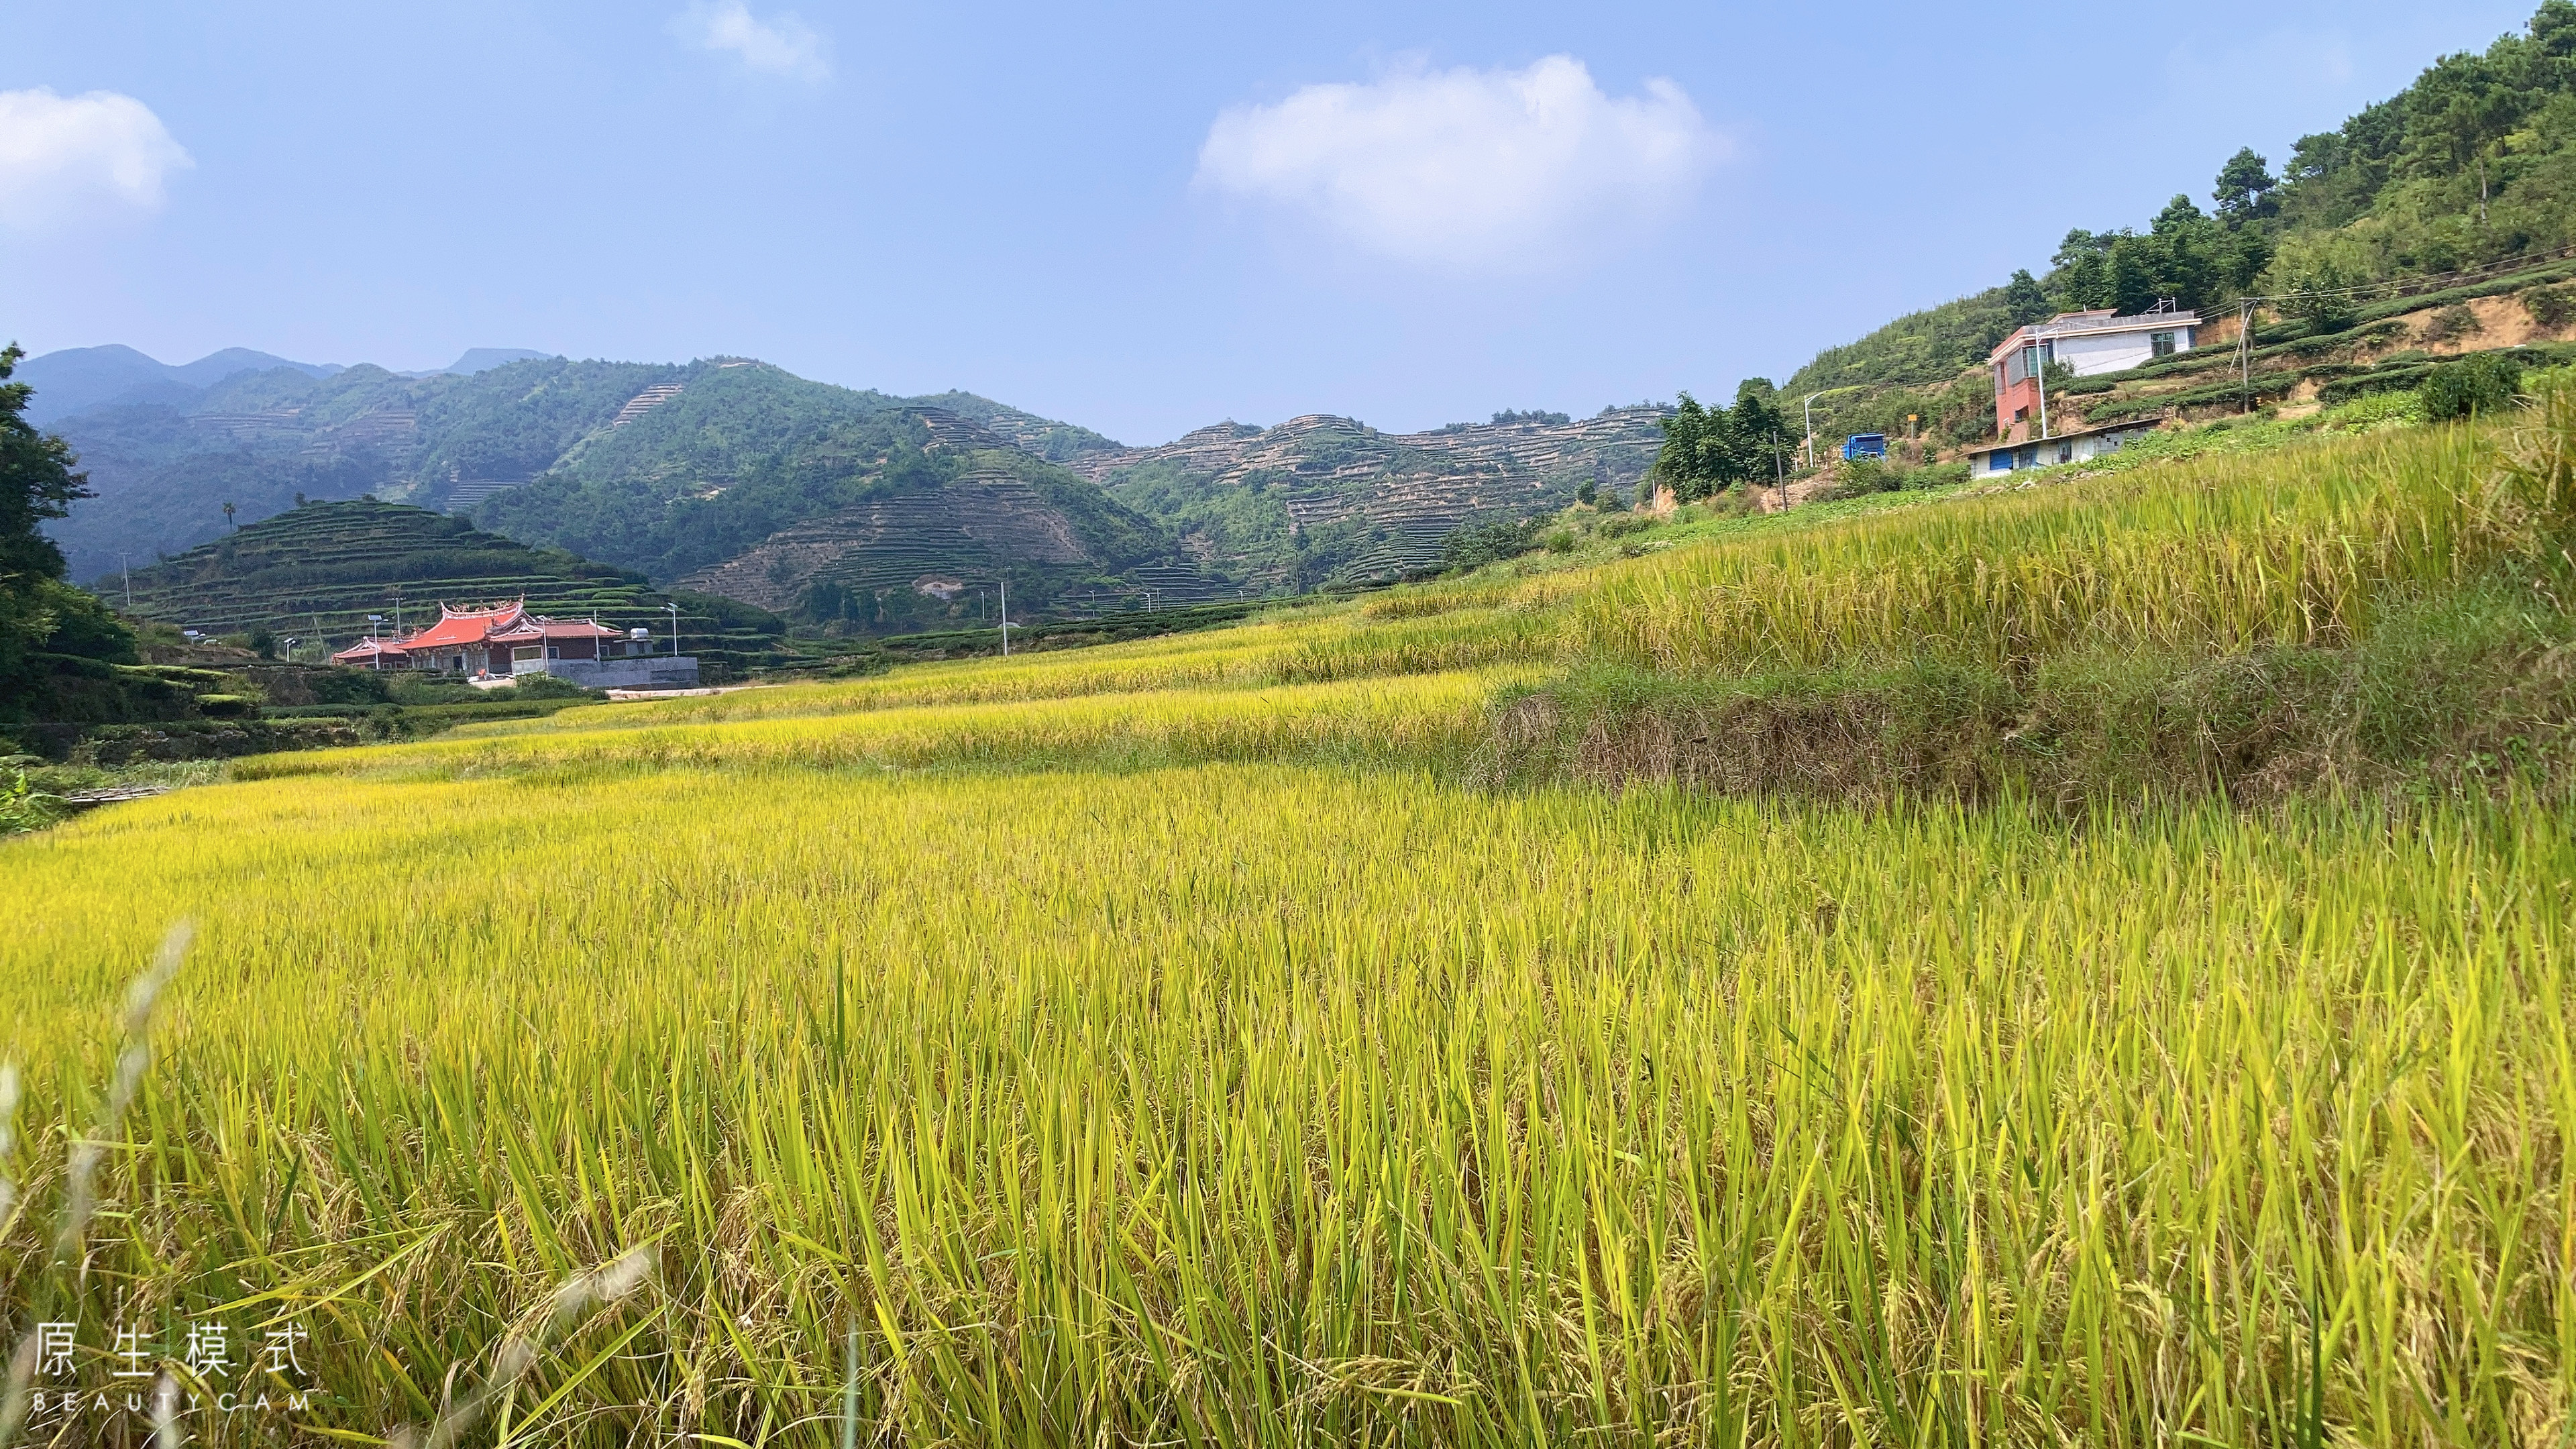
{"points": [[2066, 452], [2021, 415], [2161, 343]]}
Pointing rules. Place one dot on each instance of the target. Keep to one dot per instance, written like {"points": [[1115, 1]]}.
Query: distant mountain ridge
{"points": [[845, 508], [77, 379], [672, 471]]}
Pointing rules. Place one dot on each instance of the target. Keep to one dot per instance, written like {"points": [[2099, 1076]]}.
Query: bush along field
{"points": [[2077, 963]]}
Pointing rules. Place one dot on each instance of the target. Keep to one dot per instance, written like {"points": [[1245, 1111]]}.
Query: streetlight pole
{"points": [[1006, 618], [674, 611], [1807, 410], [2039, 358]]}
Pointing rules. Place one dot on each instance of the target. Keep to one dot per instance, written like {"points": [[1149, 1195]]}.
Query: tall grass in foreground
{"points": [[1256, 1106]]}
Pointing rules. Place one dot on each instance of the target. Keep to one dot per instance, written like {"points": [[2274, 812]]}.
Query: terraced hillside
{"points": [[2386, 345], [324, 567], [915, 551], [1329, 500]]}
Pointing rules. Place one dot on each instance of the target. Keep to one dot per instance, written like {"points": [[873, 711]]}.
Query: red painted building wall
{"points": [[2017, 393]]}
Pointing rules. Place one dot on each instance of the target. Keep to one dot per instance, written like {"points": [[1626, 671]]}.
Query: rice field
{"points": [[1171, 1044]]}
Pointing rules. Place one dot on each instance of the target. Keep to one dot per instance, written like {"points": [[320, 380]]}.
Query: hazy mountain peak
{"points": [[75, 379], [482, 359]]}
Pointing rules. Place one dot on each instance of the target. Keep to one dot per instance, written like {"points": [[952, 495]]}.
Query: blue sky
{"points": [[1142, 218]]}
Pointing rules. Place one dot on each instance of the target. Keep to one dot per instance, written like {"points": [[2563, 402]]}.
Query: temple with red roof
{"points": [[501, 641]]}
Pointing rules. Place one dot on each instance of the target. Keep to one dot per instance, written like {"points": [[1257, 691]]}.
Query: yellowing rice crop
{"points": [[1161, 1046]]}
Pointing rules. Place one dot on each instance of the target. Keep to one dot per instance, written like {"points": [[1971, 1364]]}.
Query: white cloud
{"points": [[65, 157], [785, 46], [1483, 170]]}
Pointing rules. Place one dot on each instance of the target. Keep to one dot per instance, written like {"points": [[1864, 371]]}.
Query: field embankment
{"points": [[2359, 613]]}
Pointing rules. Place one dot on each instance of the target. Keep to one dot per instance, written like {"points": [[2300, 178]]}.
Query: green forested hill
{"points": [[1330, 501], [165, 469], [324, 567], [2472, 164], [844, 507]]}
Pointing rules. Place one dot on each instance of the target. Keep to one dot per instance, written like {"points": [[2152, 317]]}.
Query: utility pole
{"points": [[2245, 354], [1006, 618], [674, 611], [127, 569]]}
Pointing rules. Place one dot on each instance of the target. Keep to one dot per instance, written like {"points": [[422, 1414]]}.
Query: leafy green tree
{"points": [[2319, 296], [1762, 427], [2244, 188], [39, 614], [37, 482], [2025, 300], [2079, 277]]}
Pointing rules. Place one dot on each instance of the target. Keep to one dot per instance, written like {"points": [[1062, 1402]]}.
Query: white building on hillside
{"points": [[2086, 343]]}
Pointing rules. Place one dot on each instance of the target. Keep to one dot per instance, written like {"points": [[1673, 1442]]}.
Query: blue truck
{"points": [[1865, 445]]}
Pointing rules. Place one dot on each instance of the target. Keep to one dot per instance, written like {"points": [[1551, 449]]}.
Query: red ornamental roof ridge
{"points": [[467, 626]]}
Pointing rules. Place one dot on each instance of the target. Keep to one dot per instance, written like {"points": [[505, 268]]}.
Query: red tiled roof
{"points": [[372, 648], [456, 627]]}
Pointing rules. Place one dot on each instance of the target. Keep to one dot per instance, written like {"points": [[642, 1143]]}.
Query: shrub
{"points": [[23, 807], [1866, 475], [546, 686], [349, 686], [2550, 307], [2451, 322], [1473, 545], [2470, 386]]}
